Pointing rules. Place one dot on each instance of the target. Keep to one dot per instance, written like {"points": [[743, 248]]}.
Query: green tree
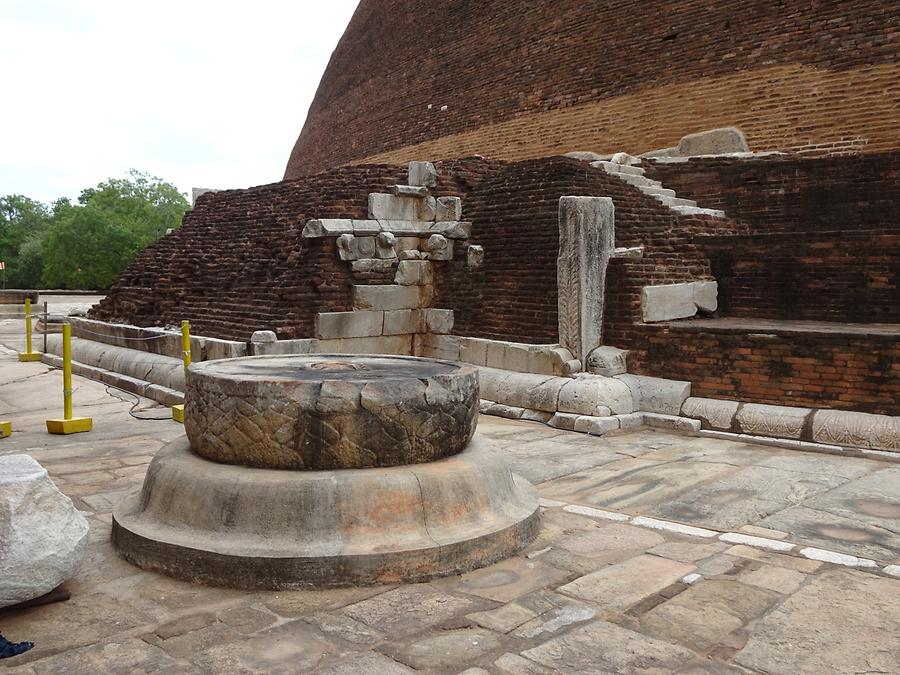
{"points": [[22, 223], [88, 244]]}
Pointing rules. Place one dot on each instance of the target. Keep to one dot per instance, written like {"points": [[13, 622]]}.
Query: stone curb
{"points": [[771, 545]]}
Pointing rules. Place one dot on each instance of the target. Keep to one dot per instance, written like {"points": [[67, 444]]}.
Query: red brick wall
{"points": [[816, 370], [513, 296], [823, 242], [792, 74], [238, 263], [791, 194]]}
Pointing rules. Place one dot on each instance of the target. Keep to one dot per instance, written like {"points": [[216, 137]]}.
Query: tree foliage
{"points": [[87, 244]]}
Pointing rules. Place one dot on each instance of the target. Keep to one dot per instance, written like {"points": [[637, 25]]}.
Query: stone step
{"points": [[688, 209], [612, 167], [675, 201], [639, 181], [656, 191]]}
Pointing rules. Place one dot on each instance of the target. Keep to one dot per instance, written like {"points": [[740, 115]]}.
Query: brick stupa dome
{"points": [[522, 78]]}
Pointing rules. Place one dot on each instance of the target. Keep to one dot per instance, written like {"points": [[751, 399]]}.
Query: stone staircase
{"points": [[626, 168]]}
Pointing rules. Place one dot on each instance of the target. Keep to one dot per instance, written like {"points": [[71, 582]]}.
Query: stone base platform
{"points": [[273, 529]]}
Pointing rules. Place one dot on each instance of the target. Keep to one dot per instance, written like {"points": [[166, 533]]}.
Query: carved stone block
{"points": [[772, 420], [856, 429], [586, 242], [712, 413], [607, 361]]}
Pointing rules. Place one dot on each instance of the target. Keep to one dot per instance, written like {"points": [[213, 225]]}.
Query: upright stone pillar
{"points": [[586, 243]]}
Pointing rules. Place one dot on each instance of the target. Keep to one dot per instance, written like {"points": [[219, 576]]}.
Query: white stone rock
{"points": [[772, 420], [674, 422], [836, 558], [607, 361], [893, 570], [474, 256], [422, 173], [401, 321], [263, 336], [713, 142], [706, 295], [668, 302], [384, 246], [42, 535], [596, 513], [537, 416], [586, 242], [385, 206], [564, 421], [331, 325], [439, 321], [584, 155], [389, 296], [410, 190], [712, 413], [365, 228], [690, 530], [456, 229], [474, 351], [448, 208], [584, 394], [327, 228], [655, 394], [414, 273], [757, 542], [625, 158]]}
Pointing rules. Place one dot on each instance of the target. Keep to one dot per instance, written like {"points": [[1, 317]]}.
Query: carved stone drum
{"points": [[326, 470]]}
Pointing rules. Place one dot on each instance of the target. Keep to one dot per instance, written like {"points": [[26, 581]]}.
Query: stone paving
{"points": [[595, 593]]}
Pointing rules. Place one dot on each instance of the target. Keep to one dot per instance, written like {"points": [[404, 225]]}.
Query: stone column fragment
{"points": [[586, 243]]}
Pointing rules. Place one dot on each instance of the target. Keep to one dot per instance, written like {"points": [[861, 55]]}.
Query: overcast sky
{"points": [[200, 93]]}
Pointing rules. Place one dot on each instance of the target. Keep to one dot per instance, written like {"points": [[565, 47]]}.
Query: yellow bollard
{"points": [[5, 429], [178, 410], [28, 355], [68, 424]]}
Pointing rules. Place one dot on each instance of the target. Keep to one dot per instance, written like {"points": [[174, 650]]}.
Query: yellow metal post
{"points": [[5, 429], [28, 355], [68, 424], [178, 410]]}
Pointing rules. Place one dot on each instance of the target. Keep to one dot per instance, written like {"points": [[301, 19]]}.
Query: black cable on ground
{"points": [[137, 402]]}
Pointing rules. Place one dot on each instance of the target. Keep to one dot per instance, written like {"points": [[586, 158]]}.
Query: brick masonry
{"points": [[525, 79], [823, 240]]}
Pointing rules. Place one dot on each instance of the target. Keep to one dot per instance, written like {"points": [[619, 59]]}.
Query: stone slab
{"points": [[331, 325], [602, 647], [841, 621], [721, 141], [625, 584]]}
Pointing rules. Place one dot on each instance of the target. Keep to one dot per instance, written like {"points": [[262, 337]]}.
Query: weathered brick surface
{"points": [[514, 213], [238, 263], [827, 371], [823, 241], [523, 79]]}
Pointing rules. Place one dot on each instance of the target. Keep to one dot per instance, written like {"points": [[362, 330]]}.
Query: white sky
{"points": [[197, 92]]}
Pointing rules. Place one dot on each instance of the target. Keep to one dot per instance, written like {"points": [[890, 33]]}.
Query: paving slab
{"points": [[625, 584], [842, 621], [602, 647], [589, 595]]}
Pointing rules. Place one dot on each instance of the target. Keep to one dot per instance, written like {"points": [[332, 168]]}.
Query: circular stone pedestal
{"points": [[330, 411], [273, 529]]}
